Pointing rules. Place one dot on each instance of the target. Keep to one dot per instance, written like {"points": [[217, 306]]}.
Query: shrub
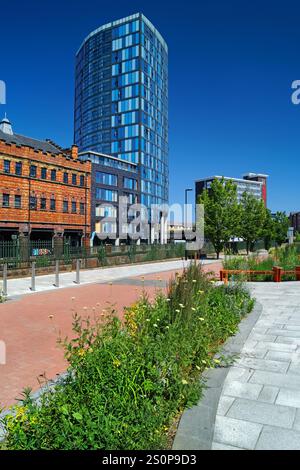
{"points": [[102, 257], [127, 381]]}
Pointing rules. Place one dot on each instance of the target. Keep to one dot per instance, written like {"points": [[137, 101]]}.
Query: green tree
{"points": [[221, 213], [253, 216], [281, 225], [268, 230]]}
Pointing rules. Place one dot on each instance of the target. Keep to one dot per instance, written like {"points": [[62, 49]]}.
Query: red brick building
{"points": [[44, 190]]}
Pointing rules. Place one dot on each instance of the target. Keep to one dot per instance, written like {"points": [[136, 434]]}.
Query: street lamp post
{"points": [[185, 205]]}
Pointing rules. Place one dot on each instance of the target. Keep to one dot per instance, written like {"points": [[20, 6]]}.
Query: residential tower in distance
{"points": [[121, 113], [253, 183]]}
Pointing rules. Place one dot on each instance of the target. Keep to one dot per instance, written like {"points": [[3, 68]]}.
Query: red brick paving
{"points": [[31, 334]]}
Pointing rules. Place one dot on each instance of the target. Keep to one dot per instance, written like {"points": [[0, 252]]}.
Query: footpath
{"points": [[255, 403]]}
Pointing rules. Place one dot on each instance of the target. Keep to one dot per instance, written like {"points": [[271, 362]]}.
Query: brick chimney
{"points": [[74, 152]]}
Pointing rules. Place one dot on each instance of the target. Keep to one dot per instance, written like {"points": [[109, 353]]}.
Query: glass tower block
{"points": [[121, 100]]}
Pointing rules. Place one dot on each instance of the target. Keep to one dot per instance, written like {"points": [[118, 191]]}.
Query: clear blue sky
{"points": [[231, 64]]}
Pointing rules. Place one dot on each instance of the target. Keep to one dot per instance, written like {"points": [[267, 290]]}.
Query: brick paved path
{"points": [[31, 324]]}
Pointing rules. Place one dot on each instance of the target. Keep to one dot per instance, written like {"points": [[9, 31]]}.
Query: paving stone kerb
{"points": [[197, 424]]}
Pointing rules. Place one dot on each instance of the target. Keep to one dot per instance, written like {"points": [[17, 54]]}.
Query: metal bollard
{"points": [[77, 272], [5, 280], [56, 284], [32, 276]]}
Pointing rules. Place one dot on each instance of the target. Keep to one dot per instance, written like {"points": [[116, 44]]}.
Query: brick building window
{"points": [[74, 207], [52, 204], [43, 204], [65, 206], [81, 180], [5, 200], [18, 168], [66, 178], [6, 166], [32, 171], [53, 175], [82, 208], [74, 179], [44, 173], [18, 202], [33, 203]]}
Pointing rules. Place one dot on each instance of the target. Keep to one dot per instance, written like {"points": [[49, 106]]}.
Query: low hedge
{"points": [[128, 381]]}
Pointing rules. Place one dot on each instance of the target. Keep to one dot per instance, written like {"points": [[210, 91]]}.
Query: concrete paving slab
{"points": [[241, 390], [263, 413], [224, 405], [276, 379], [288, 397], [263, 364], [268, 394], [274, 438], [236, 433]]}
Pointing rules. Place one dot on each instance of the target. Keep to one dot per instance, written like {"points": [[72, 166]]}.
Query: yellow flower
{"points": [[21, 410]]}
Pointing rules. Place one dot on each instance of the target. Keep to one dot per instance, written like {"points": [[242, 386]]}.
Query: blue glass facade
{"points": [[121, 100]]}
